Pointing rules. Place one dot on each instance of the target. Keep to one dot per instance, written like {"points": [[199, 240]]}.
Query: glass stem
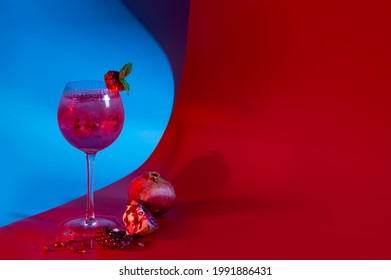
{"points": [[90, 215]]}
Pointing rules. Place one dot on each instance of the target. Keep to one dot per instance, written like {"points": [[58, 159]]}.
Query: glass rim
{"points": [[86, 85]]}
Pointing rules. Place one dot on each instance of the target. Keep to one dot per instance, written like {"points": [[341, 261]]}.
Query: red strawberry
{"points": [[115, 80], [112, 81]]}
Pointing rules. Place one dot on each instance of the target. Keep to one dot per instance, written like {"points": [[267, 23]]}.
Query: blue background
{"points": [[44, 45]]}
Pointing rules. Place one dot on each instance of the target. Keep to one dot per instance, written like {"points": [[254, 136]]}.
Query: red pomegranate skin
{"points": [[138, 220], [153, 192]]}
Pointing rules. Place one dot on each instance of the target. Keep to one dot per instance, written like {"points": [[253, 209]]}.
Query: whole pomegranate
{"points": [[153, 192]]}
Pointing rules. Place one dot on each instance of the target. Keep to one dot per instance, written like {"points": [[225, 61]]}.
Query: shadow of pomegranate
{"points": [[196, 185], [201, 177]]}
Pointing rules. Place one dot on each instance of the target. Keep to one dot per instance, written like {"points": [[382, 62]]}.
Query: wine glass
{"points": [[90, 118]]}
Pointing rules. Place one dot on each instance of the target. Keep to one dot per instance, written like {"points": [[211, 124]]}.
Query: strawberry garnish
{"points": [[115, 80]]}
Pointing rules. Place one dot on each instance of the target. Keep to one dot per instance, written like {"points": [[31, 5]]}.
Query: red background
{"points": [[278, 144]]}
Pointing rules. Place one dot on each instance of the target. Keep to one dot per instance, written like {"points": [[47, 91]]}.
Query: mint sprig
{"points": [[125, 84], [125, 71]]}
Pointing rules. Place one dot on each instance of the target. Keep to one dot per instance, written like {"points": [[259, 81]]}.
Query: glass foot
{"points": [[79, 229]]}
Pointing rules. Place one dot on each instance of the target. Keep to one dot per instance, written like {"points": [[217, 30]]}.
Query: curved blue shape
{"points": [[46, 44]]}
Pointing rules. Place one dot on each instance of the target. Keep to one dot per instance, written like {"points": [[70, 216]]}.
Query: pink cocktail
{"points": [[90, 118], [91, 122]]}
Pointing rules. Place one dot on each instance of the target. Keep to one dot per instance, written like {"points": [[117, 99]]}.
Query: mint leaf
{"points": [[125, 84], [125, 70]]}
